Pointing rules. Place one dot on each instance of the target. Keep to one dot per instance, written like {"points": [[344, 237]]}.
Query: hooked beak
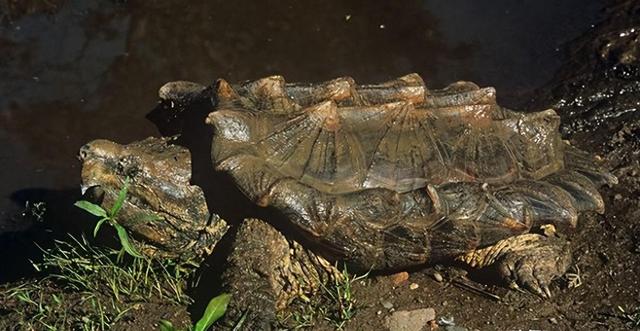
{"points": [[85, 187]]}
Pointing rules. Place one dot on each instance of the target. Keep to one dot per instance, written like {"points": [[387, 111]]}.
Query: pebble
{"points": [[553, 320], [438, 277], [410, 320], [446, 320], [617, 196], [387, 304], [413, 286], [399, 277]]}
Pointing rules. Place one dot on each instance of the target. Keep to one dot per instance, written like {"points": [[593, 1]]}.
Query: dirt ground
{"points": [[141, 316]]}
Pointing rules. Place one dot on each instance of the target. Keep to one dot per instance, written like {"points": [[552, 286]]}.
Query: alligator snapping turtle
{"points": [[395, 175], [391, 176]]}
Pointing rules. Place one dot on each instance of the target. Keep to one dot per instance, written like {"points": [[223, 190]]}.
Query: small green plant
{"points": [[88, 287], [215, 309], [339, 293], [302, 317], [336, 304], [42, 307], [110, 217], [87, 268]]}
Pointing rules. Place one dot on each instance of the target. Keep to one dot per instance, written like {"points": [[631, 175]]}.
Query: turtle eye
{"points": [[128, 166]]}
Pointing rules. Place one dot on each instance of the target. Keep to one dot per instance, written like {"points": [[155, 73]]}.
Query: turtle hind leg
{"points": [[252, 295], [530, 261]]}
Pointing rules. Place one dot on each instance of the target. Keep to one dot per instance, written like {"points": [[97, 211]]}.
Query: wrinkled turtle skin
{"points": [[394, 175], [166, 215], [266, 271]]}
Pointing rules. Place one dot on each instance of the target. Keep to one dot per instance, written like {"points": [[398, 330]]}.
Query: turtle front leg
{"points": [[530, 261], [265, 273]]}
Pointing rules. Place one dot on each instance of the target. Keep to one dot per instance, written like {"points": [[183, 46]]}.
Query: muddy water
{"points": [[91, 69]]}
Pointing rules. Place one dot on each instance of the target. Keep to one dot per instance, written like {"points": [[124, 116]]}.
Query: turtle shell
{"points": [[338, 137], [394, 175]]}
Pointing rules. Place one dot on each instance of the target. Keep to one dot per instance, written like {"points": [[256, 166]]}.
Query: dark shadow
{"points": [[59, 220], [223, 196], [188, 124]]}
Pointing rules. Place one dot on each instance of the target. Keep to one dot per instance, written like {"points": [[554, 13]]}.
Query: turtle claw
{"points": [[546, 290], [535, 267]]}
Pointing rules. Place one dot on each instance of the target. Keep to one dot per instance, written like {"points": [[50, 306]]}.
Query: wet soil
{"points": [[90, 69]]}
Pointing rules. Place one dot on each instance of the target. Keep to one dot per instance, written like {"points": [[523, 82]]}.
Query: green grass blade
{"points": [[215, 309], [124, 240], [166, 326], [91, 208], [122, 195], [240, 323], [98, 225]]}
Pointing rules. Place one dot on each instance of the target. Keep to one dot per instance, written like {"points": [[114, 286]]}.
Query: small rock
{"points": [[410, 320], [438, 277], [446, 320], [553, 320], [387, 304], [413, 286], [617, 196], [400, 278]]}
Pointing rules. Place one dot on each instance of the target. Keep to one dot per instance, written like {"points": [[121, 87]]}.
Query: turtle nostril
{"points": [[83, 152], [120, 167]]}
